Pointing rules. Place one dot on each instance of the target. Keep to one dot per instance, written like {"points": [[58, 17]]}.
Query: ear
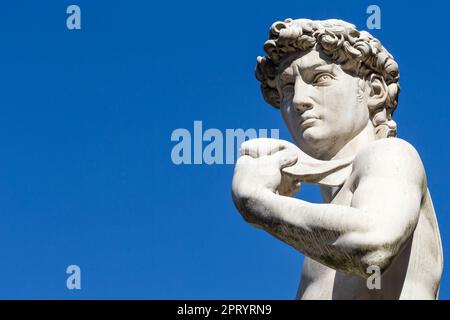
{"points": [[378, 92]]}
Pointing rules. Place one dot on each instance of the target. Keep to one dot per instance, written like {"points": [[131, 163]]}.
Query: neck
{"points": [[350, 149], [355, 145]]}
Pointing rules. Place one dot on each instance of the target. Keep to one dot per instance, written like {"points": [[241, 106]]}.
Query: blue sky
{"points": [[86, 118]]}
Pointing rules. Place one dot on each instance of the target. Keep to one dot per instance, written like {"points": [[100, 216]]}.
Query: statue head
{"points": [[329, 80]]}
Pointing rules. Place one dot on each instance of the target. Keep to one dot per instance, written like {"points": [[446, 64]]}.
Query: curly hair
{"points": [[358, 53]]}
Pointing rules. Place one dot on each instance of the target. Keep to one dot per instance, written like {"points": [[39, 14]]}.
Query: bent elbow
{"points": [[371, 251], [378, 260]]}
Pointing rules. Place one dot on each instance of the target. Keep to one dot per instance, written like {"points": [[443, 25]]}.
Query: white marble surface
{"points": [[336, 89]]}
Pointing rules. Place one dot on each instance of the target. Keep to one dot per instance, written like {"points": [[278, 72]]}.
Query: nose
{"points": [[302, 96]]}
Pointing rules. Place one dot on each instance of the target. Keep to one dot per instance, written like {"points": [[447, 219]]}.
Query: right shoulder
{"points": [[391, 158]]}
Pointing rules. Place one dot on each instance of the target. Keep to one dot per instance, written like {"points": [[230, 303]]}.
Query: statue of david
{"points": [[336, 89]]}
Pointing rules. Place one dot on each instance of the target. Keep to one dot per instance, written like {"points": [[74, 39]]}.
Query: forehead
{"points": [[306, 60]]}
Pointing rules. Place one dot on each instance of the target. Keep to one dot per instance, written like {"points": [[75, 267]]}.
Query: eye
{"points": [[287, 89], [323, 78]]}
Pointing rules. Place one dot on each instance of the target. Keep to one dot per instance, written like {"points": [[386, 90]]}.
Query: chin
{"points": [[311, 136], [313, 140]]}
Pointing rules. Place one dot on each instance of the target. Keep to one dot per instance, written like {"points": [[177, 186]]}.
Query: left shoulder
{"points": [[390, 157]]}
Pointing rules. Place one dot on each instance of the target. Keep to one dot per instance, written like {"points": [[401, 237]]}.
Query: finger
{"points": [[288, 186], [244, 159], [249, 148], [256, 148], [286, 158]]}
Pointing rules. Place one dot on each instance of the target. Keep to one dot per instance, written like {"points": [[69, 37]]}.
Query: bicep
{"points": [[389, 189], [392, 204]]}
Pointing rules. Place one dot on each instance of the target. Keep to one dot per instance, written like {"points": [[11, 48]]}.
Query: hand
{"points": [[259, 167]]}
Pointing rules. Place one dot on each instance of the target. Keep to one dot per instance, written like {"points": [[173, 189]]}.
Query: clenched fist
{"points": [[259, 167]]}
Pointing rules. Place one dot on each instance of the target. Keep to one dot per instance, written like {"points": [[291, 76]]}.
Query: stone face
{"points": [[336, 89]]}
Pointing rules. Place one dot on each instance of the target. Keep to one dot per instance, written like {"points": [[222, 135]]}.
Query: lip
{"points": [[307, 122]]}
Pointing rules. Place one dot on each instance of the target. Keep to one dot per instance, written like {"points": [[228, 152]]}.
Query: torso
{"points": [[414, 274]]}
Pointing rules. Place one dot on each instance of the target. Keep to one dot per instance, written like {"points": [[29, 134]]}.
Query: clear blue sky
{"points": [[86, 117]]}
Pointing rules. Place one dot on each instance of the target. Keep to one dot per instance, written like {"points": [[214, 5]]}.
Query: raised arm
{"points": [[388, 188]]}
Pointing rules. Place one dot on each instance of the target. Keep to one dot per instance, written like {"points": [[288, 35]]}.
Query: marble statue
{"points": [[337, 89]]}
